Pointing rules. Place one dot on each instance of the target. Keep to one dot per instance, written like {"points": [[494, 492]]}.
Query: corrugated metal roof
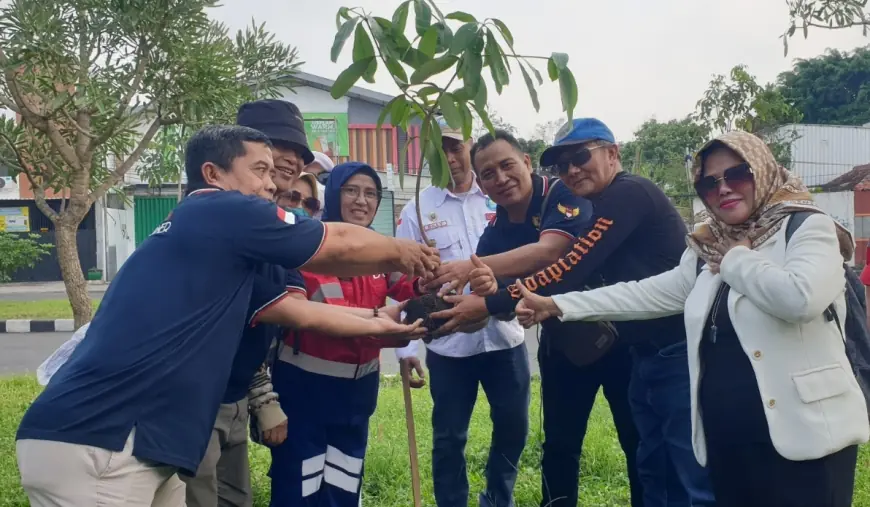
{"points": [[356, 92], [821, 153]]}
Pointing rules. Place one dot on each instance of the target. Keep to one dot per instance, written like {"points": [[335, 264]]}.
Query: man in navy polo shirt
{"points": [[224, 475], [536, 219], [137, 400]]}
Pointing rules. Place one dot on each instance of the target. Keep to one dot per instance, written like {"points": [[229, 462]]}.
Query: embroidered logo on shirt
{"points": [[568, 211], [554, 273], [490, 217], [435, 225]]}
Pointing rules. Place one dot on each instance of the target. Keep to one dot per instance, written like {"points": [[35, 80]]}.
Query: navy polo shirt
{"points": [[161, 345], [270, 286], [564, 213]]}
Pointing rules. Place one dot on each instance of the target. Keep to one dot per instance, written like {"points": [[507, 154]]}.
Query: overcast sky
{"points": [[633, 59]]}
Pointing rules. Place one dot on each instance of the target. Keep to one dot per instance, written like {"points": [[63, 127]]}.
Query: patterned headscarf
{"points": [[778, 194]]}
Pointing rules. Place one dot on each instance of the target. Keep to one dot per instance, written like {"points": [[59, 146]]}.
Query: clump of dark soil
{"points": [[423, 306]]}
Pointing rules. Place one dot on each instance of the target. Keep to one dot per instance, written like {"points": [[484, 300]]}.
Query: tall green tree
{"points": [[831, 89], [439, 70], [659, 151], [740, 102], [93, 80], [826, 14]]}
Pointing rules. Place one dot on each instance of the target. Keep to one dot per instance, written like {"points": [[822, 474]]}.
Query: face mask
{"points": [[299, 212]]}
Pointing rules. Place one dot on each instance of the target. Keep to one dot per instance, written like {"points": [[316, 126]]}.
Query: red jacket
{"points": [[362, 292]]}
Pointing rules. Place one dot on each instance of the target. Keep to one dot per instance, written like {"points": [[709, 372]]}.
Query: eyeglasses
{"points": [[354, 192], [738, 174], [311, 203], [577, 159]]}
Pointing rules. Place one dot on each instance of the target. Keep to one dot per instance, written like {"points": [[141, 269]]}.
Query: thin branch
{"points": [[118, 174], [10, 104], [38, 189], [124, 105]]}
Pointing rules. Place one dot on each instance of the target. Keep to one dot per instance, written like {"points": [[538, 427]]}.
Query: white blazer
{"points": [[813, 404]]}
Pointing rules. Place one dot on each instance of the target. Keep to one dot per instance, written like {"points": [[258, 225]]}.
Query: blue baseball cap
{"points": [[578, 131]]}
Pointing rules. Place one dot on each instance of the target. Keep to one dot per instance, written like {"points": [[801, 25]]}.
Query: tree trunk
{"points": [[71, 269]]}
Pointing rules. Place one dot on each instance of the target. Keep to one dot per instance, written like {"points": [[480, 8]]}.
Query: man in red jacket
{"points": [[333, 382]]}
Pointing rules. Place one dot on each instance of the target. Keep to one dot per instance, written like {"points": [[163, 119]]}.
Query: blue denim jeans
{"points": [[660, 401], [504, 376]]}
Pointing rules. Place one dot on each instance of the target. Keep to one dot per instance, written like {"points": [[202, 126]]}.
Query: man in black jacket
{"points": [[635, 233]]}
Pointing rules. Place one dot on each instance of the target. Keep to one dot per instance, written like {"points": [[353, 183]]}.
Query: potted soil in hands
{"points": [[421, 308]]}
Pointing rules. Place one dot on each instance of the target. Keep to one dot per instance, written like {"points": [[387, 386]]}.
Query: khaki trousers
{"points": [[58, 474], [224, 476]]}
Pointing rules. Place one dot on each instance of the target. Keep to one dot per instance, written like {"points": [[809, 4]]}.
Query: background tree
{"points": [[831, 89], [739, 102], [659, 151], [827, 14], [19, 251], [96, 80]]}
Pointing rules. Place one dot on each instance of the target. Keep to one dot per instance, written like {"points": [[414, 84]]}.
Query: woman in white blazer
{"points": [[776, 411]]}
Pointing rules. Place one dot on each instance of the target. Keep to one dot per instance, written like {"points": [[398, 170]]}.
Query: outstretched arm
{"points": [[338, 321]]}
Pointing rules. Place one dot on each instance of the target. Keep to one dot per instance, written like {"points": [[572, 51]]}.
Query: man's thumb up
{"points": [[475, 260]]}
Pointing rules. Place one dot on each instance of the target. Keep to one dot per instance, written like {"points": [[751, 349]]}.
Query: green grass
{"points": [[45, 309], [387, 484]]}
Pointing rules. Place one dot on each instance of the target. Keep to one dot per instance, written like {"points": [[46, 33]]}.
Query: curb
{"points": [[36, 326]]}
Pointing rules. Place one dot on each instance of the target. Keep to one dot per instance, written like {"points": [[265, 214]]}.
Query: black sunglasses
{"points": [[309, 202], [576, 159], [738, 174]]}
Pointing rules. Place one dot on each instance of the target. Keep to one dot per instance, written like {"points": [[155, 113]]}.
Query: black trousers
{"points": [[755, 475], [568, 394]]}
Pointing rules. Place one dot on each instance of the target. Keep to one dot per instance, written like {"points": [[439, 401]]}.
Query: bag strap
{"points": [[551, 182]]}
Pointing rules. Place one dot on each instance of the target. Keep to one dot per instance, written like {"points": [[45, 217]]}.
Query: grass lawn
{"points": [[387, 484], [46, 309]]}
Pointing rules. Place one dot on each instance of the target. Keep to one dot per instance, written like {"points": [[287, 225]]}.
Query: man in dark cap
{"points": [[283, 124]]}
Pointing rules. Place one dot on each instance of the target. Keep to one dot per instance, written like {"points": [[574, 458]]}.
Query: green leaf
{"points": [[400, 16], [414, 58], [480, 98], [496, 64], [429, 41], [340, 38], [427, 90], [348, 78], [467, 120], [396, 69], [362, 44], [369, 74], [399, 111], [508, 36], [552, 69], [533, 93], [463, 38], [560, 60], [568, 90], [450, 111], [423, 16], [484, 117], [386, 109], [432, 68], [461, 16], [445, 37], [536, 73], [472, 71], [343, 13]]}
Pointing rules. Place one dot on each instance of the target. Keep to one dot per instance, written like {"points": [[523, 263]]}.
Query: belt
{"points": [[326, 367]]}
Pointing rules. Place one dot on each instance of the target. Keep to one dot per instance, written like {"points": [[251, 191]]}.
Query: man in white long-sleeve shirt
{"points": [[494, 356]]}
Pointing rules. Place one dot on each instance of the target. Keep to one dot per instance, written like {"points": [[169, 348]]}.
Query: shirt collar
{"points": [[443, 193], [540, 186]]}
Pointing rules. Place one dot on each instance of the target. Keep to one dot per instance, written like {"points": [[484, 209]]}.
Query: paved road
{"points": [[44, 290], [23, 353]]}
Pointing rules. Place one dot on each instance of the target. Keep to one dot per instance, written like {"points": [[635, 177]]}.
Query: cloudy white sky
{"points": [[633, 59]]}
